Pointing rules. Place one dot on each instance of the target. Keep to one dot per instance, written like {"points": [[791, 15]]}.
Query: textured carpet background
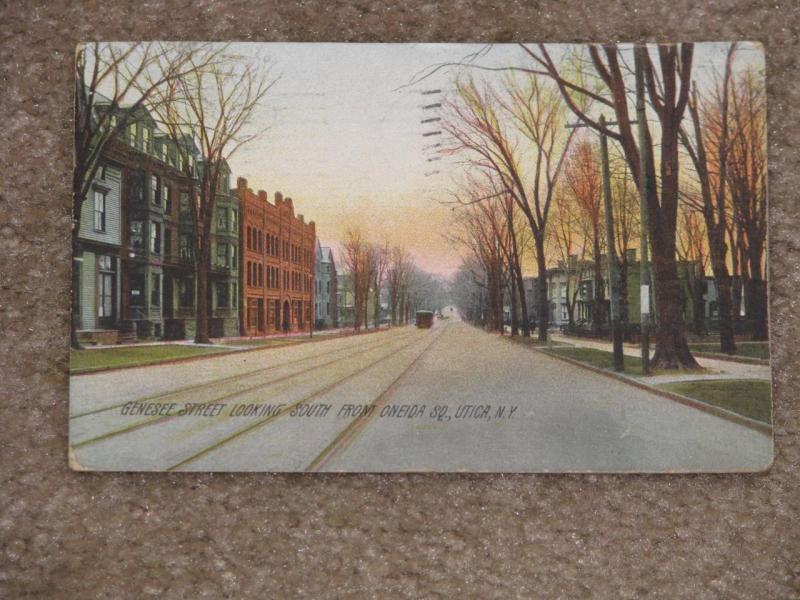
{"points": [[70, 535]]}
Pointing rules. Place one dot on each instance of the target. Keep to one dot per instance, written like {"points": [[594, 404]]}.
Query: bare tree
{"points": [[112, 83], [693, 251], [381, 268], [537, 117], [667, 87], [747, 176], [709, 148], [582, 175], [567, 235], [212, 105], [355, 255], [399, 267]]}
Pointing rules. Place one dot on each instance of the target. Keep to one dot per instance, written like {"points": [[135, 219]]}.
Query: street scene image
{"points": [[420, 258]]}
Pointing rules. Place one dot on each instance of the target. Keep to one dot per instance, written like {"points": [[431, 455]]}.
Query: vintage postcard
{"points": [[420, 257]]}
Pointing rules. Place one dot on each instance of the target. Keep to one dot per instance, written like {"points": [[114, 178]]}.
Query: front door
{"points": [[106, 292], [167, 299], [261, 315], [286, 316]]}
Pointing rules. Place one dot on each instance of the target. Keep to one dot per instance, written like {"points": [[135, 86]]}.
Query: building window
{"points": [[102, 172], [223, 299], [155, 190], [222, 255], [185, 208], [164, 151], [186, 292], [233, 257], [186, 246], [105, 287], [136, 289], [155, 238], [166, 198], [137, 235], [99, 210], [222, 219], [155, 289], [234, 220], [260, 275], [132, 134], [146, 139], [167, 241]]}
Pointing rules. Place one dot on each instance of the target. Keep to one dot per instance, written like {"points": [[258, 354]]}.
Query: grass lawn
{"points": [[599, 358], [746, 349], [265, 343], [748, 397], [534, 341], [82, 361]]}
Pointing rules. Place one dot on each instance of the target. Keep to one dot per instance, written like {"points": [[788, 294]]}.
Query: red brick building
{"points": [[277, 266]]}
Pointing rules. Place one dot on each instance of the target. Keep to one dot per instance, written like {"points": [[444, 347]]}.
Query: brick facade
{"points": [[277, 252]]}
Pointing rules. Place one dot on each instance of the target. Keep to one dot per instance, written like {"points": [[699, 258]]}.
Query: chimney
{"points": [[241, 183], [300, 218], [278, 198], [262, 195]]}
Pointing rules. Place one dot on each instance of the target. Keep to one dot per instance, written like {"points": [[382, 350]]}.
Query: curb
{"points": [[738, 359], [758, 426], [185, 359]]}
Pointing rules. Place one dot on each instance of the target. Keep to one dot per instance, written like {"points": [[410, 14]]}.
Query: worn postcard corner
{"points": [[420, 258]]}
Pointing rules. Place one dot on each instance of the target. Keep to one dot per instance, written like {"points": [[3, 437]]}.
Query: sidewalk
{"points": [[230, 342], [716, 368]]}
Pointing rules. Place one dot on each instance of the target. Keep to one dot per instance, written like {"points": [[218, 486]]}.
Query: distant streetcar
{"points": [[424, 319]]}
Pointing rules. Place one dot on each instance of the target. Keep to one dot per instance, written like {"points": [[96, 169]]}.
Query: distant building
{"points": [[345, 300], [277, 252], [325, 297]]}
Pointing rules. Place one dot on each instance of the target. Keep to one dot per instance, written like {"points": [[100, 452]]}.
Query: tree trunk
{"points": [[201, 300], [377, 304], [698, 307], [543, 309], [74, 315], [513, 302], [757, 294], [727, 341], [672, 349], [598, 309], [523, 304]]}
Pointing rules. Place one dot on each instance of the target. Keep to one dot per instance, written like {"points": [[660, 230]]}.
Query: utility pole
{"points": [[613, 272], [644, 185]]}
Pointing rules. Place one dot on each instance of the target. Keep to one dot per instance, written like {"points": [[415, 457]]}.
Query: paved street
{"points": [[449, 398]]}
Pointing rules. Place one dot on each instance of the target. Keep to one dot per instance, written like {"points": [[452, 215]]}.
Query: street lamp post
{"points": [[613, 273], [644, 271]]}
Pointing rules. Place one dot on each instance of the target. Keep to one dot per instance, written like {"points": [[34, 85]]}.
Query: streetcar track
{"points": [[266, 420], [345, 437], [228, 378], [155, 420]]}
